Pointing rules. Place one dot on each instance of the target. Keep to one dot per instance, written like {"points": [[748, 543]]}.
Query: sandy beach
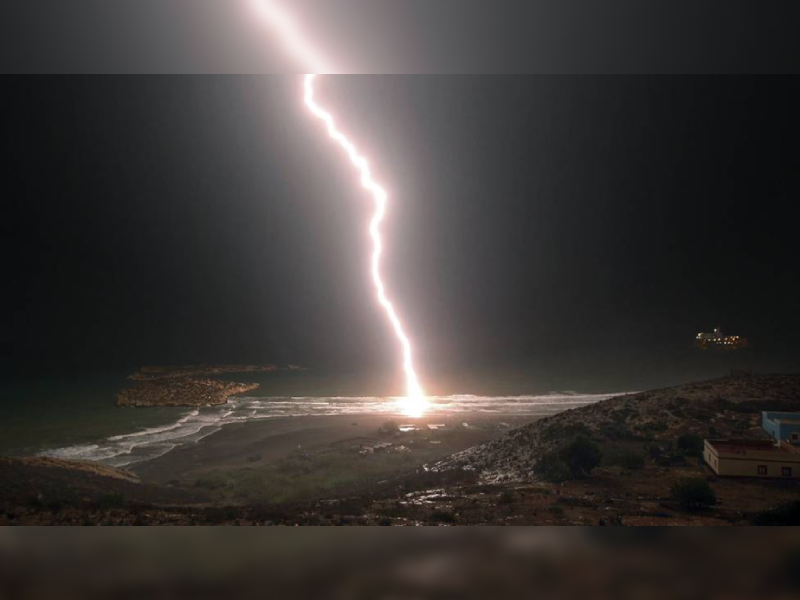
{"points": [[239, 456]]}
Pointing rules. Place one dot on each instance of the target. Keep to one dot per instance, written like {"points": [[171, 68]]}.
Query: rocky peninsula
{"points": [[186, 386]]}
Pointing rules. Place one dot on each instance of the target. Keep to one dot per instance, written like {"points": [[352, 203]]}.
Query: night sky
{"points": [[583, 225], [405, 36]]}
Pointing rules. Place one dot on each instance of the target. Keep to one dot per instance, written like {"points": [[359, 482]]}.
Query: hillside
{"points": [[38, 490], [729, 407]]}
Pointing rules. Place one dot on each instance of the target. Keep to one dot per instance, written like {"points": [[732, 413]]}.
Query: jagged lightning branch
{"points": [[380, 197], [296, 44]]}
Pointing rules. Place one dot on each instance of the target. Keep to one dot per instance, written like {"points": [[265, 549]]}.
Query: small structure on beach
{"points": [[782, 426], [752, 458]]}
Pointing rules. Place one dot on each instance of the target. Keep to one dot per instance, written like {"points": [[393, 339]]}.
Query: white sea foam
{"points": [[195, 425]]}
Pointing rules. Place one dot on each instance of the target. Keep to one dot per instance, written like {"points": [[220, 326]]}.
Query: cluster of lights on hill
{"points": [[717, 341], [415, 403]]}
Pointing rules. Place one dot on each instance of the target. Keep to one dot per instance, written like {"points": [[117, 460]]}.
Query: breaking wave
{"points": [[194, 425]]}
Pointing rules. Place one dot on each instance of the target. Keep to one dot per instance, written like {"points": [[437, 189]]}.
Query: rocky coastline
{"points": [[184, 386]]}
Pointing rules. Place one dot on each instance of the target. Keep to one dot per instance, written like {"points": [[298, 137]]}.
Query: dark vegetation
{"points": [[693, 494], [576, 459], [581, 456], [552, 468], [691, 445], [784, 515], [625, 458]]}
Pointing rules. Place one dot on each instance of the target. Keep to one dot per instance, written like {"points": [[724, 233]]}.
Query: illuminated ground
{"points": [[304, 458]]}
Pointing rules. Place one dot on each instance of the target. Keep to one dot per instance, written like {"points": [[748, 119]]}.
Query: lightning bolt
{"points": [[414, 403]]}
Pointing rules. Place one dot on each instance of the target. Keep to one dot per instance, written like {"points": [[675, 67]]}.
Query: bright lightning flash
{"points": [[414, 404]]}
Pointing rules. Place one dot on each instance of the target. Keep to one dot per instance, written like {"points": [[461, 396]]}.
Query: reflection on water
{"points": [[196, 424]]}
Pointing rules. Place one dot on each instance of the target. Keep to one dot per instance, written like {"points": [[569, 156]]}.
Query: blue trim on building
{"points": [[782, 425]]}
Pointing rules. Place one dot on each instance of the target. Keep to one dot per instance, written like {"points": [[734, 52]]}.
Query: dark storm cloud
{"points": [[408, 36], [595, 223]]}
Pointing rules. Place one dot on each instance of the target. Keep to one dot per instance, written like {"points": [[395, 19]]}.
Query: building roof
{"points": [[781, 416], [745, 447], [733, 445]]}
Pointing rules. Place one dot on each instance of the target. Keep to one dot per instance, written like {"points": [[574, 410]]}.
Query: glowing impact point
{"points": [[414, 404]]}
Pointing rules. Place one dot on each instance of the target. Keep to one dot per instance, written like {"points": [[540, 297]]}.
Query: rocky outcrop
{"points": [[181, 391], [192, 385]]}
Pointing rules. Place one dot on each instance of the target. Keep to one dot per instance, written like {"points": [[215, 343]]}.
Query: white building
{"points": [[752, 458]]}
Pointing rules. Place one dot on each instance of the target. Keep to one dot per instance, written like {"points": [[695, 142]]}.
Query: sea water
{"points": [[77, 418], [64, 411]]}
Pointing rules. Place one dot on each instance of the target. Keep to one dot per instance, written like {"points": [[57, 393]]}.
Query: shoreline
{"points": [[196, 424]]}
